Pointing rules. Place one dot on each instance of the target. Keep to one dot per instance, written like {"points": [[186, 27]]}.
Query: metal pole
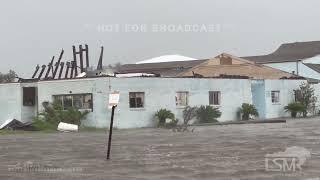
{"points": [[110, 132]]}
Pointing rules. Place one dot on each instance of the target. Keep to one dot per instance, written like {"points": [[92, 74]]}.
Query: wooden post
{"points": [[81, 58], [75, 61]]}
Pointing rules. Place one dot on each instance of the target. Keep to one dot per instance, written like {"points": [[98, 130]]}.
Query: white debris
{"points": [[65, 127], [82, 75], [168, 120]]}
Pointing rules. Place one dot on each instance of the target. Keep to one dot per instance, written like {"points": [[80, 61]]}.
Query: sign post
{"points": [[113, 102]]}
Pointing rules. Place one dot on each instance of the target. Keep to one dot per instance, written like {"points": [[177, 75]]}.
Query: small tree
{"points": [[248, 109], [208, 114], [188, 114], [8, 77], [305, 95], [162, 115]]}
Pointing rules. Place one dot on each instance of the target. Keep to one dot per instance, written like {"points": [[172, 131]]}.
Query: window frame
{"points": [[187, 98], [273, 97], [72, 96], [297, 95], [143, 100], [213, 100]]}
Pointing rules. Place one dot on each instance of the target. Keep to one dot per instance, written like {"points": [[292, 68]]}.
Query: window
{"points": [[78, 101], [136, 99], [297, 95], [29, 96], [275, 96], [182, 98], [214, 97]]}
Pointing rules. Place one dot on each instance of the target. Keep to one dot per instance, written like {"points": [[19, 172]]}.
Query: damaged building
{"points": [[225, 82]]}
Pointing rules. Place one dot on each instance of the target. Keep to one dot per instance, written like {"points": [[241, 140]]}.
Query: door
{"points": [[29, 104]]}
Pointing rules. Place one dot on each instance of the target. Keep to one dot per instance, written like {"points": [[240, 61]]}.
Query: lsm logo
{"points": [[290, 160]]}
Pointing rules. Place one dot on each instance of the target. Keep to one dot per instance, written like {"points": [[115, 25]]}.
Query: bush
{"points": [[73, 116], [162, 115], [188, 114], [41, 125], [248, 109], [306, 96], [53, 114], [295, 108], [171, 124], [207, 114]]}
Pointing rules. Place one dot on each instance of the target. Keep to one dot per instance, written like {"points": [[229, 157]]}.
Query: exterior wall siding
{"points": [[10, 101], [258, 97], [286, 87], [159, 93]]}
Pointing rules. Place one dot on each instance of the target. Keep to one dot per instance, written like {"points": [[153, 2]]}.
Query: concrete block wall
{"points": [[286, 87], [159, 93], [10, 101]]}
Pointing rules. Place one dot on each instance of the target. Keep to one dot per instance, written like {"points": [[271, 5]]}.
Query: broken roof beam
{"points": [[75, 59], [87, 56], [100, 67], [50, 65], [73, 69], [67, 70], [61, 70], [36, 71], [57, 64], [81, 58], [42, 70]]}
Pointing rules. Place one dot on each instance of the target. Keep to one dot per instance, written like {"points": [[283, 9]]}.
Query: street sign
{"points": [[114, 99], [113, 102]]}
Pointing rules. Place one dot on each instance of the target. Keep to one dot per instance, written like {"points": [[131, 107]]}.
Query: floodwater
{"points": [[215, 152]]}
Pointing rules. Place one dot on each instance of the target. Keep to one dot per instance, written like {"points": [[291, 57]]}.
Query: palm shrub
{"points": [[295, 108], [54, 113], [207, 114], [73, 116], [162, 115], [248, 109], [172, 124]]}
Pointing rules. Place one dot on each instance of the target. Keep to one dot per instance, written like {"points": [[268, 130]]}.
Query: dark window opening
{"points": [[297, 95], [214, 97], [275, 96], [78, 101], [29, 96], [136, 99]]}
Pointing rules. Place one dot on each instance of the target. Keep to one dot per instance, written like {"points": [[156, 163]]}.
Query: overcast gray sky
{"points": [[34, 30]]}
